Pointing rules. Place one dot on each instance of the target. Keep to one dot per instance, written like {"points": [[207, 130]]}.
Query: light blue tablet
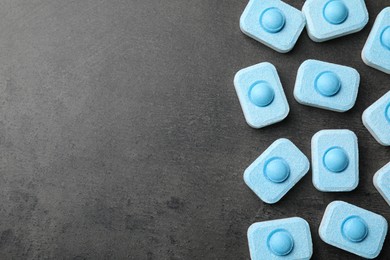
{"points": [[382, 182], [335, 160], [288, 239], [376, 51], [376, 118], [261, 95], [353, 229], [276, 170], [273, 23], [326, 85], [329, 19]]}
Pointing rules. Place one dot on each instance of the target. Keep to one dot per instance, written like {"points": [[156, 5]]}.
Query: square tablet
{"points": [[276, 170], [261, 95], [329, 19], [273, 23], [376, 51], [335, 160], [326, 85], [376, 118], [382, 182], [353, 229], [288, 238]]}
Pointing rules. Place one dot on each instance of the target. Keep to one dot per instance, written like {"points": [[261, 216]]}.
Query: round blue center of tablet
{"points": [[388, 112], [335, 12], [261, 94], [336, 159], [280, 242], [385, 37], [328, 84], [272, 20], [277, 170], [354, 229]]}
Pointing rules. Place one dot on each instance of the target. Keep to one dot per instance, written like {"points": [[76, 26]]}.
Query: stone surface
{"points": [[122, 136]]}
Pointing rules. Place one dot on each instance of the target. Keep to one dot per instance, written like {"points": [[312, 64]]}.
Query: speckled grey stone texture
{"points": [[121, 135]]}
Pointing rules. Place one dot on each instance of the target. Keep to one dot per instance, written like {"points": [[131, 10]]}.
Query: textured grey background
{"points": [[121, 135]]}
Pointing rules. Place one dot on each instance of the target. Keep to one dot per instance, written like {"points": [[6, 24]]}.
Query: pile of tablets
{"points": [[335, 155]]}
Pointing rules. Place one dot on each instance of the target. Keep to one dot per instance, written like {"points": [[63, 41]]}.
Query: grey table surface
{"points": [[121, 136]]}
